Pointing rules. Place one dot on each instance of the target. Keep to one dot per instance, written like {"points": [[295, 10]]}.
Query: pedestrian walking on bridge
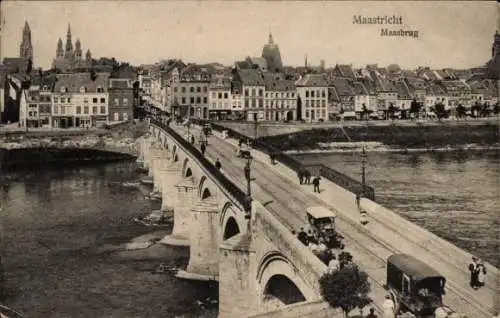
{"points": [[316, 184], [300, 174], [203, 148], [307, 175], [218, 164], [192, 139]]}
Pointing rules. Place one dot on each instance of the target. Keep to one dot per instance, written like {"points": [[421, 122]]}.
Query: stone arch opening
{"points": [[280, 288], [206, 194], [231, 228], [188, 173], [289, 115], [176, 158]]}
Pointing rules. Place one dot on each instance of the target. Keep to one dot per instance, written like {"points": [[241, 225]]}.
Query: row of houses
{"points": [[248, 92]]}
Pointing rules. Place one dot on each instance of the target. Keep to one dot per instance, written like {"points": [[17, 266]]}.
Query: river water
{"points": [[454, 194], [62, 232]]}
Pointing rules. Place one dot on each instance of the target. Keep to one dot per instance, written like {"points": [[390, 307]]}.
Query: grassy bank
{"points": [[427, 137]]}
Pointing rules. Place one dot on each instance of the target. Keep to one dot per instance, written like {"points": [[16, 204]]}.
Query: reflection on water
{"points": [[453, 194]]}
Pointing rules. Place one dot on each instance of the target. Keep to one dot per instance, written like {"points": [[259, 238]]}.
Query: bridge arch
{"points": [[230, 221], [280, 281]]}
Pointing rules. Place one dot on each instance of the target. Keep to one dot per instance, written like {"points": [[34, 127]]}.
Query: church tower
{"points": [[78, 50], [496, 45], [88, 56], [26, 49], [68, 53], [271, 53], [59, 51]]}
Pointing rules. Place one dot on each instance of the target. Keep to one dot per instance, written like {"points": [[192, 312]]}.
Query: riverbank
{"points": [[392, 136]]}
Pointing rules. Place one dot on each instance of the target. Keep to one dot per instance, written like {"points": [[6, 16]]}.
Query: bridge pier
{"points": [[204, 241], [186, 196], [156, 162], [237, 288]]}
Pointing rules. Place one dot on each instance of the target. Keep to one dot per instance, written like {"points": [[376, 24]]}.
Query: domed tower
{"points": [[271, 53], [60, 51], [78, 50], [26, 49]]}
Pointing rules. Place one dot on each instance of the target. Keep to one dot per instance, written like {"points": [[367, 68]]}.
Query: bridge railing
{"points": [[227, 184], [328, 173]]}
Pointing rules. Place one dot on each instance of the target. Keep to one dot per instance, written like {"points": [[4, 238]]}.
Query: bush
{"points": [[346, 288]]}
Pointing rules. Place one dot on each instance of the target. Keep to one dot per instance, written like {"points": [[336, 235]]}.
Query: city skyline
{"points": [[450, 35]]}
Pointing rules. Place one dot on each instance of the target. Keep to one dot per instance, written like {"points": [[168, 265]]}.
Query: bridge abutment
{"points": [[186, 196], [204, 243]]}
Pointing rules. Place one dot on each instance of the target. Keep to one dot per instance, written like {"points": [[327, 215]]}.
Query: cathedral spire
{"points": [[69, 43], [68, 34], [26, 49]]}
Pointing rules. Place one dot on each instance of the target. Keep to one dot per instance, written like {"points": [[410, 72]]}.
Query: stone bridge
{"points": [[259, 264]]}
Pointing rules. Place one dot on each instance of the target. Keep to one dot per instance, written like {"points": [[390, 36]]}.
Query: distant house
{"points": [[121, 97], [312, 90], [251, 83]]}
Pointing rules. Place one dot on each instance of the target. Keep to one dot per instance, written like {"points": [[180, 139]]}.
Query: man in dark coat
{"points": [[316, 184], [300, 174], [218, 164], [203, 148], [307, 175], [302, 236]]}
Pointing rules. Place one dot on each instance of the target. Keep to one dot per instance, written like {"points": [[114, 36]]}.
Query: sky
{"points": [[451, 34]]}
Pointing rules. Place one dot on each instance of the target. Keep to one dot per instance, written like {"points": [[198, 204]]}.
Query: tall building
{"points": [[496, 45], [70, 57], [26, 48], [271, 53]]}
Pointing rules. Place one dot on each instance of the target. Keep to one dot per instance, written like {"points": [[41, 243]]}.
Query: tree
{"points": [[347, 288], [460, 111], [415, 107], [440, 111]]}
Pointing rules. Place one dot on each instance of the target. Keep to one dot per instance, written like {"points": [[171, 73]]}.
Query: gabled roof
{"points": [[220, 84], [333, 96], [250, 77], [259, 61], [45, 80], [359, 88], [312, 80], [434, 89], [342, 86], [345, 70], [73, 82], [276, 82], [402, 90]]}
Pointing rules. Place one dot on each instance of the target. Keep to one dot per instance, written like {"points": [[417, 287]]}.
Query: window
{"points": [[103, 109], [254, 92], [204, 89], [103, 100], [323, 113], [117, 102], [183, 89], [307, 103], [214, 95], [214, 104], [191, 89], [312, 93], [307, 93], [85, 100], [254, 104], [226, 95], [261, 103], [69, 100], [184, 100], [261, 92], [94, 100], [125, 116], [307, 114], [85, 110], [63, 110], [100, 90], [324, 103], [78, 109], [94, 109], [125, 101], [116, 116], [56, 109], [246, 103], [192, 100], [198, 89], [204, 100], [198, 100], [246, 91], [56, 100], [323, 94], [175, 89], [220, 95]]}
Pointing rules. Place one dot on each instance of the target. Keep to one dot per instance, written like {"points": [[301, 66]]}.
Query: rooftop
{"points": [[73, 82], [312, 80]]}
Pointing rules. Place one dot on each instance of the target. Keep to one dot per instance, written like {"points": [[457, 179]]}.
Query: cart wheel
{"points": [[397, 304]]}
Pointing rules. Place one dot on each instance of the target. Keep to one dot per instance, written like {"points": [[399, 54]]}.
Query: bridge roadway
{"points": [[278, 189]]}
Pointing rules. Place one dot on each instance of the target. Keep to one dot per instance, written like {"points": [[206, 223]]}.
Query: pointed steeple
{"points": [[271, 41], [69, 43], [59, 51], [305, 61], [68, 34], [25, 48]]}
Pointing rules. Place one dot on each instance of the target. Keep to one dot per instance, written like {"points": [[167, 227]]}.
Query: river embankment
{"points": [[69, 147], [389, 138]]}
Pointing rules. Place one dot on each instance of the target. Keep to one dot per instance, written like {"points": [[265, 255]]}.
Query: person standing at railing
{"points": [[218, 165]]}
